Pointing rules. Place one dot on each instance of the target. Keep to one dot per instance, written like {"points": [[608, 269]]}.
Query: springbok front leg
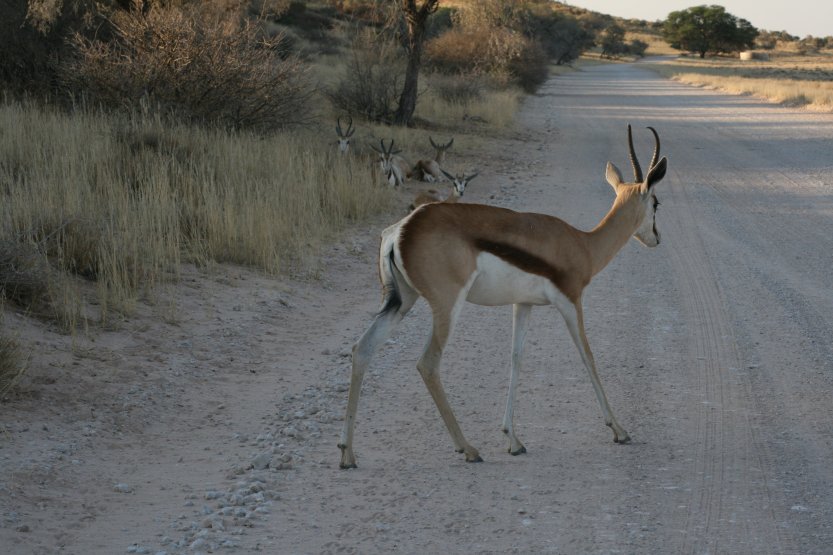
{"points": [[520, 324], [381, 329], [429, 366], [575, 323]]}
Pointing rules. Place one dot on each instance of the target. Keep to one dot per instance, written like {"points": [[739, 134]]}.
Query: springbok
{"points": [[344, 136], [458, 187], [395, 168], [430, 170], [452, 253]]}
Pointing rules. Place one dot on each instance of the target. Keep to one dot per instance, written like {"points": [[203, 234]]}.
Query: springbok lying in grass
{"points": [[452, 253], [430, 170], [458, 187], [394, 167], [344, 136]]}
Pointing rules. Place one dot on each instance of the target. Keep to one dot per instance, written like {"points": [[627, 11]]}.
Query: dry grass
{"points": [[786, 78], [124, 202], [12, 363]]}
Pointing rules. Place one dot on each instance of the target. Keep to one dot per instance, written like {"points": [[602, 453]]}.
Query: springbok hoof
{"points": [[517, 452], [623, 440], [347, 466], [476, 459]]}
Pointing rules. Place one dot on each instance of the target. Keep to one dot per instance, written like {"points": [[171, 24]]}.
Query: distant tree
{"points": [[636, 47], [612, 41], [708, 29], [561, 35]]}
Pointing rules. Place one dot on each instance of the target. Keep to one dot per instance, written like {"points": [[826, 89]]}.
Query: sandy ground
{"points": [[212, 426]]}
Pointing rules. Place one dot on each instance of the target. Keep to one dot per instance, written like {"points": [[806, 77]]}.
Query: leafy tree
{"points": [[612, 41], [708, 29], [561, 35]]}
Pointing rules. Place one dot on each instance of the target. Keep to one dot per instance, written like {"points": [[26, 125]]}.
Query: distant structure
{"points": [[753, 55]]}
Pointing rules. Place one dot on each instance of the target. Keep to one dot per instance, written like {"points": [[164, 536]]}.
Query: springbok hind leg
{"points": [[520, 324], [428, 367], [575, 323], [382, 327]]}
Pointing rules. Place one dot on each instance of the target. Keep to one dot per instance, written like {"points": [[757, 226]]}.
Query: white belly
{"points": [[499, 283]]}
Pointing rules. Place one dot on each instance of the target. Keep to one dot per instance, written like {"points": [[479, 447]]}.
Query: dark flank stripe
{"points": [[528, 263]]}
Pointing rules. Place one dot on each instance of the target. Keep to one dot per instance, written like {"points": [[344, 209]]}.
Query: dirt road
{"points": [[714, 349]]}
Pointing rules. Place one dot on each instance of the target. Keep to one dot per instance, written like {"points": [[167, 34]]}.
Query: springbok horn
{"points": [[655, 157], [637, 171]]}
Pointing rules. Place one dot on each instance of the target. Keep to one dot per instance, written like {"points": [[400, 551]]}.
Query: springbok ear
{"points": [[656, 174], [613, 175]]}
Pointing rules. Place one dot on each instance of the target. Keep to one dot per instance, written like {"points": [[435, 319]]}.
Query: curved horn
{"points": [[472, 176], [433, 143], [338, 128], [350, 129], [655, 157], [451, 142], [637, 171], [382, 142]]}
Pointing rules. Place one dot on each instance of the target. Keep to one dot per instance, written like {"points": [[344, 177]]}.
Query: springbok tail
{"points": [[392, 298]]}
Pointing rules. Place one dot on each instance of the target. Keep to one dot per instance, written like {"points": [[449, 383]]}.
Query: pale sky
{"points": [[797, 17]]}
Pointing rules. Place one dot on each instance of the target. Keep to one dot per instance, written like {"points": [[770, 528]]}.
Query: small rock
{"points": [[262, 461], [23, 528], [122, 488]]}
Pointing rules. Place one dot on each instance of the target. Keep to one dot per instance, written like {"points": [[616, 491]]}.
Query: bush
{"points": [[637, 47], [199, 67], [371, 84], [506, 56]]}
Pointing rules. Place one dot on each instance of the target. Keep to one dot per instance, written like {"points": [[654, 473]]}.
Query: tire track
{"points": [[728, 451]]}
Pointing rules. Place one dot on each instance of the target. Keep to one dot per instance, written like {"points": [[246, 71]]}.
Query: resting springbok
{"points": [[395, 168], [458, 187], [452, 253], [344, 136], [429, 170]]}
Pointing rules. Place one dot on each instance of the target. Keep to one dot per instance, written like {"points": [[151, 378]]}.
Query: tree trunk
{"points": [[415, 21], [408, 98]]}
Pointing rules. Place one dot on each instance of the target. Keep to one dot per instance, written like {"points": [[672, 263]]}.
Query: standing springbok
{"points": [[430, 170], [452, 253], [458, 187], [344, 136], [395, 168]]}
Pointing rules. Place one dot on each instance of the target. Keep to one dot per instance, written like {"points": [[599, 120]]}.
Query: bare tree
{"points": [[416, 18]]}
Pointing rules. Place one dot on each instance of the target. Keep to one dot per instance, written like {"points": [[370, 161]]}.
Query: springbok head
{"points": [[439, 150], [386, 154], [459, 182], [344, 136], [641, 189]]}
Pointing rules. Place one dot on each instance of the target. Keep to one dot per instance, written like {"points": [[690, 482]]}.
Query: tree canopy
{"points": [[704, 29]]}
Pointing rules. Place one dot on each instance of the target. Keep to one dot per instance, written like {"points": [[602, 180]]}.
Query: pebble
{"points": [[262, 461], [122, 488]]}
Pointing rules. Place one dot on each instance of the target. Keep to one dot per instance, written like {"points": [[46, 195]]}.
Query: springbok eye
{"points": [[656, 204]]}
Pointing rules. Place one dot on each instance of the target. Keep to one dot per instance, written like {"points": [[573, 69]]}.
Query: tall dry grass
{"points": [[12, 363], [789, 79], [123, 202]]}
